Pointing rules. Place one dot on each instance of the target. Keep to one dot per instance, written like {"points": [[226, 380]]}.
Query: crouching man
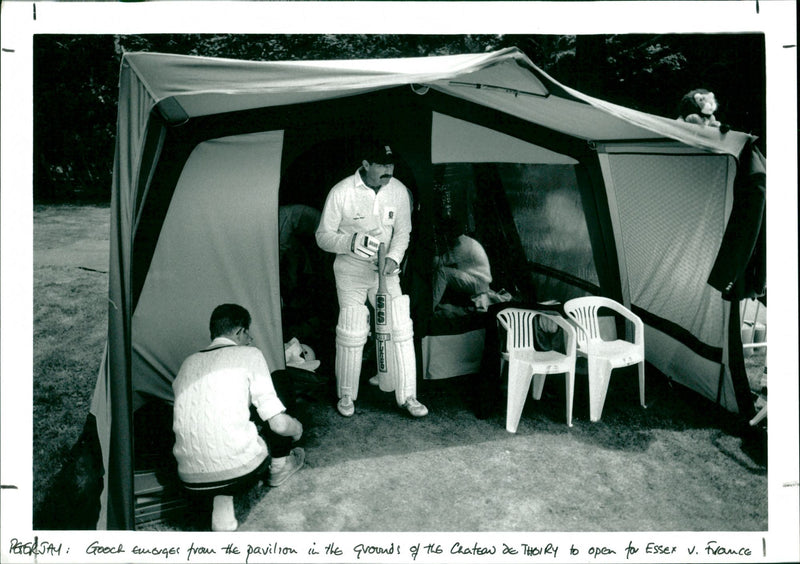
{"points": [[222, 395]]}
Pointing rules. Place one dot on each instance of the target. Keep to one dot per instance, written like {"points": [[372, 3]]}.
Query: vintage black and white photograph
{"points": [[398, 296]]}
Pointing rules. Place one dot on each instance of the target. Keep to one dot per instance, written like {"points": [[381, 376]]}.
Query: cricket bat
{"points": [[383, 324]]}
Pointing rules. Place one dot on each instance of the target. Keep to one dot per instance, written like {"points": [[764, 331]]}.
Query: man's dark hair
{"points": [[227, 318]]}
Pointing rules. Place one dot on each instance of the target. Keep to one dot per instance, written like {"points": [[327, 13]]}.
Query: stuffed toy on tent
{"points": [[698, 107]]}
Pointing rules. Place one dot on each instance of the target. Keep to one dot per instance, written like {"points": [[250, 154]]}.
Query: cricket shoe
{"points": [[415, 408], [346, 406]]}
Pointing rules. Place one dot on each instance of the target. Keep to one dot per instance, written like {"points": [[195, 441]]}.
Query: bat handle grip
{"points": [[381, 256], [381, 261]]}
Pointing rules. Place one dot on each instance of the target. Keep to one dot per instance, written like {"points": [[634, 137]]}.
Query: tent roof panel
{"points": [[220, 102], [258, 83], [505, 79], [576, 119]]}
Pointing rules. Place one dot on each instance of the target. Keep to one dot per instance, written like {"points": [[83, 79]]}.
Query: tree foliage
{"points": [[75, 81], [75, 102]]}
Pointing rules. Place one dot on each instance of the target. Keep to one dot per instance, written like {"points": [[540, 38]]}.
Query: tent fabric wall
{"points": [[204, 86], [549, 216], [167, 100], [111, 403], [506, 80], [221, 226], [684, 366], [672, 211], [740, 270]]}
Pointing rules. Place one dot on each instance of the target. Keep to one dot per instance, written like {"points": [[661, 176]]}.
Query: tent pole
{"points": [[600, 224], [614, 225], [741, 385], [119, 474]]}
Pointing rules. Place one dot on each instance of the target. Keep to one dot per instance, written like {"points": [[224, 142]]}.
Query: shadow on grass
{"points": [[380, 428], [625, 426], [73, 500]]}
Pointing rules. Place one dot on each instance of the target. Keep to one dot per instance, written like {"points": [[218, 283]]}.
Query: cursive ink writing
{"points": [[360, 549], [714, 548], [197, 550], [165, 551], [97, 548], [34, 548], [474, 550], [601, 551], [429, 548], [268, 549], [653, 548], [546, 550]]}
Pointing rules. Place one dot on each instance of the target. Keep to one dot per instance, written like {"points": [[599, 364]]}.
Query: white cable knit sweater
{"points": [[214, 437]]}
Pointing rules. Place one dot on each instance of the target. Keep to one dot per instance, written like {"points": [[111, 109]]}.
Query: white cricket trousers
{"points": [[357, 281]]}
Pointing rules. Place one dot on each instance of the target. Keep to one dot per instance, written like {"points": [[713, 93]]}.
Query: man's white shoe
{"points": [[346, 406], [292, 464], [375, 380], [223, 517], [415, 408]]}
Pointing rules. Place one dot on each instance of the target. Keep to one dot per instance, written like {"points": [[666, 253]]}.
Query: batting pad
{"points": [[404, 362], [351, 334]]}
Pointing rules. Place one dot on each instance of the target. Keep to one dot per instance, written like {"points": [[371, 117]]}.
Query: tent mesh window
{"points": [[528, 217], [672, 223], [545, 203]]}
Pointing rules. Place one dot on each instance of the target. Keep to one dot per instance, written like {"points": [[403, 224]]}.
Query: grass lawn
{"points": [[70, 277]]}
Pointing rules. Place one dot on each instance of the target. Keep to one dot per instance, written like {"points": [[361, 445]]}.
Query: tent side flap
{"points": [[220, 226], [740, 269], [111, 404]]}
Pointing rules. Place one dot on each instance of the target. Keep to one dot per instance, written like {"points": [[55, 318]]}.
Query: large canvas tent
{"points": [[663, 216]]}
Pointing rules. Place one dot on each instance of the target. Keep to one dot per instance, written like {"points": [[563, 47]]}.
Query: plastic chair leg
{"points": [[519, 380], [641, 384], [538, 385], [599, 376], [569, 378]]}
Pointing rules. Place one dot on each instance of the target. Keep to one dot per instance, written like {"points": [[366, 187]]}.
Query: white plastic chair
{"points": [[603, 356], [526, 363]]}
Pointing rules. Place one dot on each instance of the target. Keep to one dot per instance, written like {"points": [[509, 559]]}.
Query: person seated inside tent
{"points": [[231, 421], [461, 266]]}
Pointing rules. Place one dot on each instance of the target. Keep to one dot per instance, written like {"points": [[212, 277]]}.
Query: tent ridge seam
{"points": [[481, 86], [140, 77]]}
